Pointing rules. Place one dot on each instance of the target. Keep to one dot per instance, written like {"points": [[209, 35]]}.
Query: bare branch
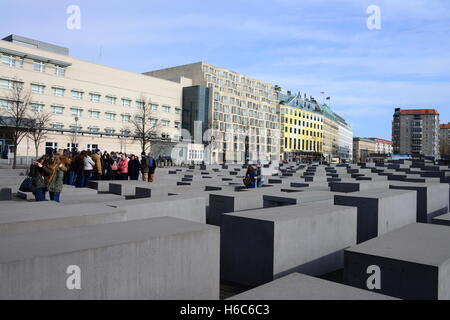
{"points": [[15, 116]]}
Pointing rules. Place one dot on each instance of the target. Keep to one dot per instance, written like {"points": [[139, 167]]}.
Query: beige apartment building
{"points": [[91, 104], [416, 132], [363, 148], [242, 113], [383, 146]]}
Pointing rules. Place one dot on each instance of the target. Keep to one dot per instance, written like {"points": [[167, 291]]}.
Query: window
{"points": [[140, 104], [6, 84], [93, 130], [57, 126], [177, 125], [153, 122], [39, 66], [139, 119], [57, 109], [111, 100], [177, 110], [76, 112], [58, 92], [5, 104], [95, 97], [126, 118], [36, 88], [77, 94], [37, 107], [126, 102], [165, 123], [166, 109], [60, 71], [110, 131], [94, 114], [154, 107], [110, 116], [9, 61]]}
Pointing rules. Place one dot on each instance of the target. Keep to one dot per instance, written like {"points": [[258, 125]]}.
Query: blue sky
{"points": [[304, 45]]}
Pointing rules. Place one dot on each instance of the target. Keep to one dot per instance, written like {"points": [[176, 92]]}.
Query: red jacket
{"points": [[123, 166]]}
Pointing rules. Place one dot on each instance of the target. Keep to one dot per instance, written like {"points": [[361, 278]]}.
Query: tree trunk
{"points": [[37, 151], [15, 157]]}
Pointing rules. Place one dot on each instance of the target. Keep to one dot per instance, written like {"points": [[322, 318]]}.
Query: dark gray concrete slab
{"points": [[414, 262], [298, 286]]}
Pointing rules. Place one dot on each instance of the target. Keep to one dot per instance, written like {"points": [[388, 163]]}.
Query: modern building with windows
{"points": [[416, 132], [302, 127], [444, 140], [383, 146], [243, 122], [91, 105]]}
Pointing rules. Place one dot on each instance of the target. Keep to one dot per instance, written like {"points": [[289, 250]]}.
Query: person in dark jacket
{"points": [[144, 167], [133, 168], [78, 167], [151, 168], [39, 174], [55, 179], [107, 162], [251, 177]]}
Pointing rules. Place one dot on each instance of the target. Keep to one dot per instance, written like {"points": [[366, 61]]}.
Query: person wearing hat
{"points": [[96, 157]]}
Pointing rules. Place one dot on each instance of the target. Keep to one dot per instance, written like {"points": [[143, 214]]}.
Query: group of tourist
{"points": [[253, 177], [50, 172]]}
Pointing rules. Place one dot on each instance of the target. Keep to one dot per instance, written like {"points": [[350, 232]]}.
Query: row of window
{"points": [[304, 145], [37, 66], [303, 132], [303, 124], [302, 115], [94, 97]]}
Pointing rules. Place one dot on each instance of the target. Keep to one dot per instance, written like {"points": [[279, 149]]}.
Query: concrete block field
{"points": [[312, 232]]}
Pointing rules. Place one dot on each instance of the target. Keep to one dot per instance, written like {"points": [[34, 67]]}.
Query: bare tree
{"points": [[39, 128], [15, 116], [145, 124]]}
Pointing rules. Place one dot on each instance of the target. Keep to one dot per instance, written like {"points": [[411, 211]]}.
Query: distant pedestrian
{"points": [[151, 169], [97, 170], [133, 168], [114, 166], [250, 178], [259, 176], [55, 179], [39, 174], [88, 168], [123, 167]]}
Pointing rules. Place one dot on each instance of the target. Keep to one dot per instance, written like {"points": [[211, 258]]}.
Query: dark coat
{"points": [[133, 168], [39, 176]]}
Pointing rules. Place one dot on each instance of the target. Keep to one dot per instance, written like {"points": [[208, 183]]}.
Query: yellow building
{"points": [[302, 133]]}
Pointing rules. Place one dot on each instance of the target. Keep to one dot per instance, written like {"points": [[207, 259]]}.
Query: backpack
{"points": [[150, 162], [248, 181], [115, 166]]}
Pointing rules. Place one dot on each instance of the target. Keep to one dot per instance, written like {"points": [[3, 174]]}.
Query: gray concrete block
{"points": [[348, 187], [187, 207], [432, 199], [298, 286], [5, 194], [287, 199], [443, 220], [50, 216], [159, 258], [381, 211], [258, 246], [414, 262]]}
